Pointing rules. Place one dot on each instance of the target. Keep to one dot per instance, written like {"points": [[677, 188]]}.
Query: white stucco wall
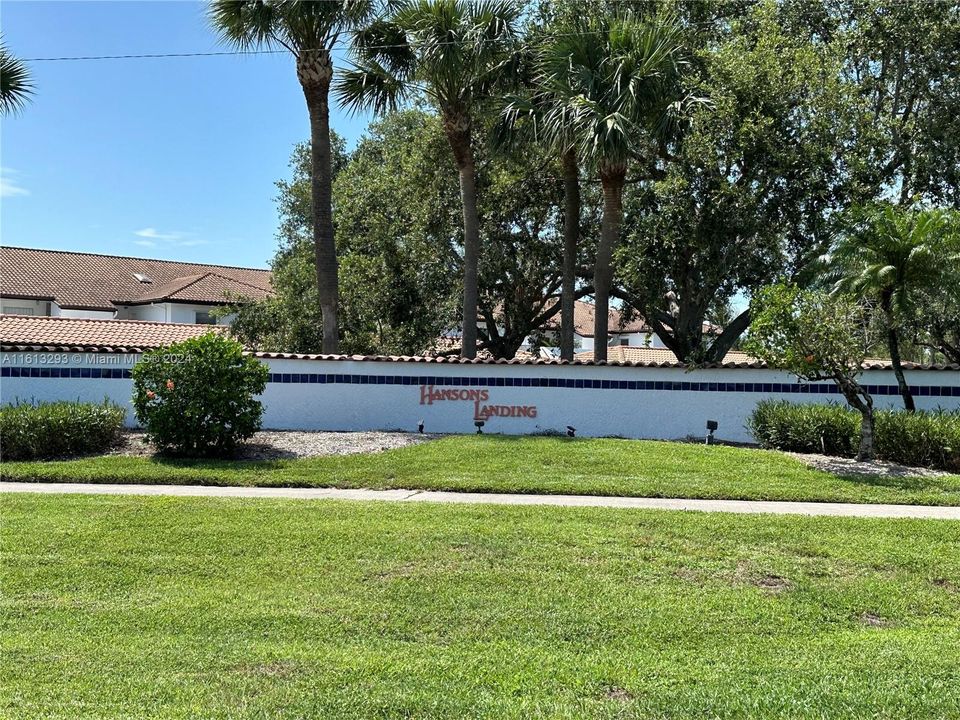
{"points": [[48, 308], [157, 312], [96, 314], [17, 306], [169, 312], [185, 313], [638, 339], [584, 343], [365, 395]]}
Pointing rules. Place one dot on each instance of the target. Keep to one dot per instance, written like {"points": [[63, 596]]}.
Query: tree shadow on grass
{"points": [[945, 484], [215, 463], [247, 455]]}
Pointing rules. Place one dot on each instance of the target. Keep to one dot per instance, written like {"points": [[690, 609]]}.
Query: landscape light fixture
{"points": [[420, 427], [571, 431], [711, 426], [479, 424]]}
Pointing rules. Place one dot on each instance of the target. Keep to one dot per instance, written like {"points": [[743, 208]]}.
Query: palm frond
{"points": [[616, 78], [370, 86], [457, 50], [311, 25], [893, 251], [298, 25], [385, 42], [245, 24], [517, 123], [15, 84]]}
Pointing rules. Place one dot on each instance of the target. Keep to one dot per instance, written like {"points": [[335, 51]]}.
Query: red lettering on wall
{"points": [[429, 395], [485, 412]]}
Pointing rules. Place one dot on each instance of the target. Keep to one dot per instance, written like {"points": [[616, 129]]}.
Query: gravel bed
{"points": [[276, 445], [855, 468]]}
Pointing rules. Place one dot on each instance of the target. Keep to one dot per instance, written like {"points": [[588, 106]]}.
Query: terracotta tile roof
{"points": [[53, 333], [663, 357], [658, 356], [659, 362], [584, 314], [27, 333], [100, 282], [199, 289]]}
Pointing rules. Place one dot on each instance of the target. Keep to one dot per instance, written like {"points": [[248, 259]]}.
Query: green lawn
{"points": [[131, 607], [525, 464]]}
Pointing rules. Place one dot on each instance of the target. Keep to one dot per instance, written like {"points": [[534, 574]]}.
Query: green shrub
{"points": [[830, 429], [923, 439], [30, 431], [196, 398]]}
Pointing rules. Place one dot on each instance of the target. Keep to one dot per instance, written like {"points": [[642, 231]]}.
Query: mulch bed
{"points": [[847, 467], [278, 445]]}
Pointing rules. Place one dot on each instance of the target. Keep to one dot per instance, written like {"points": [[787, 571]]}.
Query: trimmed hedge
{"points": [[46, 430], [919, 439]]}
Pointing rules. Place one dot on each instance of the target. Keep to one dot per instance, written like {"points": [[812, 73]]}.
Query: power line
{"points": [[155, 55], [280, 51], [277, 51]]}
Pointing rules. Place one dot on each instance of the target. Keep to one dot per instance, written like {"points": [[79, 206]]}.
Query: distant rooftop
{"points": [[41, 333], [25, 333], [103, 282], [657, 356], [583, 318]]}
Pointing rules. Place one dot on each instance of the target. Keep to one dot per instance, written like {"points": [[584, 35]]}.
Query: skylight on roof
{"points": [[140, 277]]}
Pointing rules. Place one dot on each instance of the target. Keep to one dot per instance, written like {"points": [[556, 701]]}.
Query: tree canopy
{"points": [[711, 149], [816, 336]]}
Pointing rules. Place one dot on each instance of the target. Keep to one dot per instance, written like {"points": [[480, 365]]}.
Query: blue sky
{"points": [[167, 158]]}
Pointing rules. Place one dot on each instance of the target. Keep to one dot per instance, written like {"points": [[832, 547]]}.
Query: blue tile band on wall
{"points": [[575, 383], [66, 372]]}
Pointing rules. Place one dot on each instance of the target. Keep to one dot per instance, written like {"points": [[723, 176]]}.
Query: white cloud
{"points": [[8, 186], [151, 237], [154, 234]]}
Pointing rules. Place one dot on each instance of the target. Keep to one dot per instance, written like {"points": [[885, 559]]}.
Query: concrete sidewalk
{"points": [[733, 506]]}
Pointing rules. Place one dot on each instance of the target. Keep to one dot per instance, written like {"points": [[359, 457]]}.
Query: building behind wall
{"points": [[54, 283], [623, 330]]}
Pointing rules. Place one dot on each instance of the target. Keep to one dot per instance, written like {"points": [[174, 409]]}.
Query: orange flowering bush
{"points": [[198, 397]]}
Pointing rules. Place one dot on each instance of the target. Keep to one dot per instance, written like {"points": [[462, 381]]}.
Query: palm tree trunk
{"points": [[471, 252], [458, 134], [325, 249], [893, 344], [571, 236], [612, 180]]}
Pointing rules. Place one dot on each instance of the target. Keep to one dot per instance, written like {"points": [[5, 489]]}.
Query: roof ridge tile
{"points": [[133, 257]]}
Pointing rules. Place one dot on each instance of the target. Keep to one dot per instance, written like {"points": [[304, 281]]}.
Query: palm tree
{"points": [[309, 30], [15, 85], [521, 121], [889, 255], [614, 81], [454, 52]]}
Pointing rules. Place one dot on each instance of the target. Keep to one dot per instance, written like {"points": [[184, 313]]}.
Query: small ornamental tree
{"points": [[816, 336], [196, 398]]}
